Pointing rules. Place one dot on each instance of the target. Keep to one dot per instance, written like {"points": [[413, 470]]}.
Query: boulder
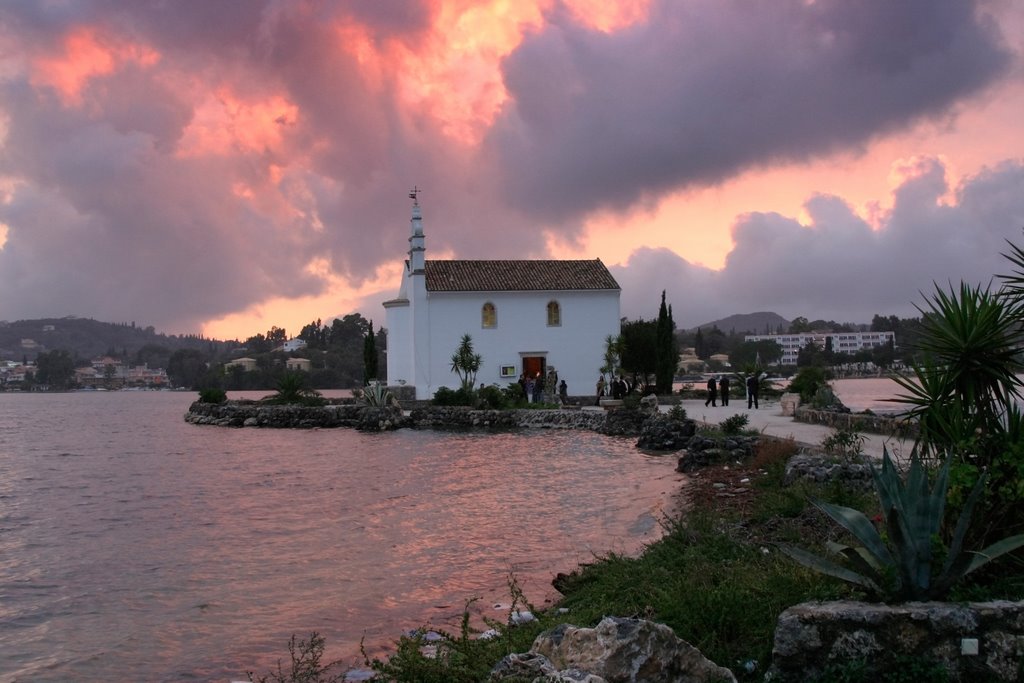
{"points": [[661, 433], [623, 422], [623, 651], [852, 472]]}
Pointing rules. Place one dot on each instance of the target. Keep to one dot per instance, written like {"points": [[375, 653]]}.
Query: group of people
{"points": [[618, 388], [534, 387], [718, 386]]}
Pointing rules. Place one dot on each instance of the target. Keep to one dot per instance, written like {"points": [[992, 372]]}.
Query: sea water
{"points": [[137, 547]]}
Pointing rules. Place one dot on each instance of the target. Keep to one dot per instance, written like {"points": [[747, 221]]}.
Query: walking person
{"points": [[752, 389], [723, 388], [600, 390], [563, 392], [528, 387], [712, 392]]}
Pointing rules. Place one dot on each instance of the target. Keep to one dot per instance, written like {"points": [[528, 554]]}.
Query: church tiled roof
{"points": [[516, 276]]}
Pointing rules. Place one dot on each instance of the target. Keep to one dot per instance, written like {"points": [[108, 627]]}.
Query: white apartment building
{"points": [[842, 342]]}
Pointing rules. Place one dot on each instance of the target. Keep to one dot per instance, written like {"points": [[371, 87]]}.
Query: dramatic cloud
{"points": [[837, 267], [176, 164], [696, 94]]}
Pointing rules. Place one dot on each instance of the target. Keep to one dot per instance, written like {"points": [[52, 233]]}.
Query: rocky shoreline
{"points": [[655, 432]]}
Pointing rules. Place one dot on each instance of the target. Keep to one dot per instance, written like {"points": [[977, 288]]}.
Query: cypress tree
{"points": [[666, 354], [369, 356]]}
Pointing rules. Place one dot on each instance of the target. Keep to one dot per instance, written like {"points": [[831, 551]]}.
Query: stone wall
{"points": [[353, 415], [970, 641], [255, 414], [458, 417], [857, 422]]}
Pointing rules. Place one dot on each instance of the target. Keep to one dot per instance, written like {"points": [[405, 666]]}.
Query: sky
{"points": [[223, 167]]}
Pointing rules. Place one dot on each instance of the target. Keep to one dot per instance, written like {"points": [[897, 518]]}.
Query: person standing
{"points": [[563, 392], [600, 390], [723, 388], [538, 388], [528, 387], [752, 389], [712, 392]]}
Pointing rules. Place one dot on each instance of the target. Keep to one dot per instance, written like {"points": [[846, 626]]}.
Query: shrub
{"points": [[731, 426], [305, 664], [491, 396], [677, 413], [292, 389], [844, 442], [212, 395], [807, 382], [453, 397]]}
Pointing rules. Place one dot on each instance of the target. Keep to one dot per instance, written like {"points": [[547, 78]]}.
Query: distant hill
{"points": [[749, 323], [85, 338]]}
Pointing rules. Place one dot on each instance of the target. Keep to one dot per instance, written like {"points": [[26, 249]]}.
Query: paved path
{"points": [[768, 419]]}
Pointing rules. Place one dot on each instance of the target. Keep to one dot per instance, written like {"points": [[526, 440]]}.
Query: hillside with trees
{"points": [[85, 338]]}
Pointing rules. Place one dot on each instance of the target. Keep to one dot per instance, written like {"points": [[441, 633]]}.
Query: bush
{"points": [[731, 426], [677, 413], [212, 395], [491, 396], [807, 382], [844, 442], [453, 397], [305, 664]]}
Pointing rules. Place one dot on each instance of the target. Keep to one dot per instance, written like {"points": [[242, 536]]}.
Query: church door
{"points": [[534, 365]]}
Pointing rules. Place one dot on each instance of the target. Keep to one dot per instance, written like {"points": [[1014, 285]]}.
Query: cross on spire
{"points": [[414, 194]]}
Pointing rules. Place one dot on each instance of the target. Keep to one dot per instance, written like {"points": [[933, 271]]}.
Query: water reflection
{"points": [[136, 547]]}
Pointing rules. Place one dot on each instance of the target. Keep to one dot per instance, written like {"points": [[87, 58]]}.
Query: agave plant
{"points": [[903, 566], [376, 395]]}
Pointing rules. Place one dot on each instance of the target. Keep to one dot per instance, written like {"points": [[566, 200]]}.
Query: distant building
{"points": [[523, 316], [293, 345], [247, 364], [298, 364], [842, 342]]}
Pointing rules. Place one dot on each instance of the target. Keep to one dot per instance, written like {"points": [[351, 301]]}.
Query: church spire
{"points": [[417, 247]]}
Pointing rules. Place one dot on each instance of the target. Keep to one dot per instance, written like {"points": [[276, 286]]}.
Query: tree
{"points": [[699, 347], [466, 363], [639, 350], [799, 325], [667, 350], [369, 356], [747, 353], [55, 368], [186, 368], [612, 353]]}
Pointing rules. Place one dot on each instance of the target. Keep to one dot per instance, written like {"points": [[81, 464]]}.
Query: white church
{"points": [[523, 316]]}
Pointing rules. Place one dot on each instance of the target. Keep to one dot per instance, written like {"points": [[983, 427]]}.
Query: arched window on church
{"points": [[488, 316], [554, 314]]}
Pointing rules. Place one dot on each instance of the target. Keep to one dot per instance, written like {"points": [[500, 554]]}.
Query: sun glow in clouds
{"points": [[86, 54]]}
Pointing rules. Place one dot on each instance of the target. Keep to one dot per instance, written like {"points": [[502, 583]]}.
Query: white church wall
{"points": [[575, 348], [399, 352]]}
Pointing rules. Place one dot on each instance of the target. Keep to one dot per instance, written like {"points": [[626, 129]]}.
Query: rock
{"points": [[661, 433], [623, 422], [789, 402], [627, 651], [813, 636], [533, 667], [649, 403], [851, 471]]}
